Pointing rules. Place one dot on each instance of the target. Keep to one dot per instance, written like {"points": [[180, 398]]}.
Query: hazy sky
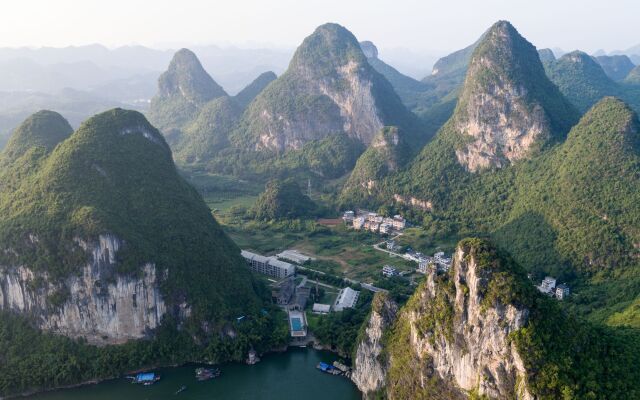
{"points": [[419, 25]]}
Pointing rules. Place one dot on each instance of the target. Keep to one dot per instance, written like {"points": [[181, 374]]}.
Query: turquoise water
{"points": [[296, 324], [290, 375]]}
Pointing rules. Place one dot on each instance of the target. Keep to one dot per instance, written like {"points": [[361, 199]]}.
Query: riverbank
{"points": [[290, 374], [311, 343]]}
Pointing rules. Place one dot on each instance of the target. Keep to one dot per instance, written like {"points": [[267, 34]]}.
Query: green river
{"points": [[289, 375]]}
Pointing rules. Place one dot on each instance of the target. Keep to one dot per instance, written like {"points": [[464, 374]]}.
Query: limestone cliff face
{"points": [[329, 88], [508, 108], [458, 337], [96, 304], [369, 372]]}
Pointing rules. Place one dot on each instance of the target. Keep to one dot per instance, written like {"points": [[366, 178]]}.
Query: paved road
{"points": [[352, 281]]}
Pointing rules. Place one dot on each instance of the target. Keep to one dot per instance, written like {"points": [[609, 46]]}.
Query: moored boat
{"points": [[204, 374]]}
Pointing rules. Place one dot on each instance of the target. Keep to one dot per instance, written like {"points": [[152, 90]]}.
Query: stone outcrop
{"points": [[369, 372], [508, 108], [97, 304], [460, 338], [329, 88]]}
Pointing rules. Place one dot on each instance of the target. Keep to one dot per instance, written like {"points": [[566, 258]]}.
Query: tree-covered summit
{"points": [[115, 176], [42, 129], [182, 90]]}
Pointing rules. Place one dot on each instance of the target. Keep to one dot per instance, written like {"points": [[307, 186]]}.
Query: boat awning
{"points": [[148, 376]]}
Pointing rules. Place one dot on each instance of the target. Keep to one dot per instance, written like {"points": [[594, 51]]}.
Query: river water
{"points": [[281, 376]]}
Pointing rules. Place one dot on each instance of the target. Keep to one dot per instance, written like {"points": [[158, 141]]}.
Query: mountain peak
{"points": [[330, 46], [610, 118], [246, 95], [369, 49], [508, 106], [182, 89], [186, 77], [42, 129], [634, 76], [329, 88]]}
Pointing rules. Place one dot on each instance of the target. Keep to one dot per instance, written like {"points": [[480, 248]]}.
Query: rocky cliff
{"points": [[328, 88], [369, 365], [100, 237], [96, 304], [508, 107], [182, 90], [453, 336]]}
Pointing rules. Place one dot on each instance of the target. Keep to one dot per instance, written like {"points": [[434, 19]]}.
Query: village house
{"points": [[548, 285], [389, 271], [399, 223], [348, 216], [358, 223], [562, 291], [385, 227]]}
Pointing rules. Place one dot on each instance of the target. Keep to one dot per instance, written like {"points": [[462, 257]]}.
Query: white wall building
{"points": [[319, 308], [562, 291], [270, 266], [548, 285], [389, 270], [358, 223], [295, 256], [347, 298]]}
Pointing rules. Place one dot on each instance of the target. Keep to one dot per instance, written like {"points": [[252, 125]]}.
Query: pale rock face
{"points": [[369, 371], [356, 113], [101, 306], [357, 105], [502, 127], [480, 356], [413, 201]]}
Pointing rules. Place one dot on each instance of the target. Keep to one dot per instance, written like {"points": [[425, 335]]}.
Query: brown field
{"points": [[330, 221]]}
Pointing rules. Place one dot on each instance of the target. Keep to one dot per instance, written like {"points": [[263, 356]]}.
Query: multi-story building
{"points": [[548, 285], [385, 228], [358, 223], [423, 264], [399, 223], [347, 298], [348, 216], [389, 271], [268, 265], [562, 291]]}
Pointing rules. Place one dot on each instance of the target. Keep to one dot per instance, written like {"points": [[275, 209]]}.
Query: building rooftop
{"points": [[347, 298], [321, 308]]}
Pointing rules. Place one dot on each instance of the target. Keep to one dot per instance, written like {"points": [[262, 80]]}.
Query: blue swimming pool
{"points": [[296, 324]]}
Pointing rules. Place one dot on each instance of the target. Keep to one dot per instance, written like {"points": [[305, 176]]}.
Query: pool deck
{"points": [[297, 324]]}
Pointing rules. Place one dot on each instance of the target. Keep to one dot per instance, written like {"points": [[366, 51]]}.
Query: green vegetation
{"points": [[43, 129], [246, 95], [282, 200], [182, 90], [584, 82], [201, 140], [387, 153], [634, 77], [115, 176], [581, 79], [616, 67], [571, 211], [32, 360], [339, 330], [564, 357]]}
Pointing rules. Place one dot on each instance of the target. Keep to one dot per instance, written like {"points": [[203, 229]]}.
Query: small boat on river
{"points": [[204, 374], [145, 378]]}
